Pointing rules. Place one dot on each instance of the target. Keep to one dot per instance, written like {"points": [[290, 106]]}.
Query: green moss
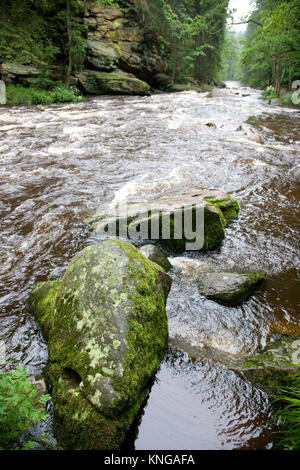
{"points": [[214, 231], [78, 425], [148, 327], [107, 335], [229, 206], [239, 295], [41, 301]]}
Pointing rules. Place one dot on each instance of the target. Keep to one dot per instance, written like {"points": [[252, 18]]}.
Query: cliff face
{"points": [[119, 39], [122, 52], [123, 55]]}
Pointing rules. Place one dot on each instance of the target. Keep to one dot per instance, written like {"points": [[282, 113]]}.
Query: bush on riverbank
{"points": [[17, 95], [285, 98], [20, 408], [289, 415]]}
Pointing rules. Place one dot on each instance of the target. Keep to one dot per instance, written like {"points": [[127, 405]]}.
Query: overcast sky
{"points": [[243, 8]]}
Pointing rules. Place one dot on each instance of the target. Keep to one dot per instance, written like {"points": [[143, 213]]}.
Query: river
{"points": [[60, 163]]}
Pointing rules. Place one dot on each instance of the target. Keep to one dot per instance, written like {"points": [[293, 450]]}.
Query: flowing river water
{"points": [[60, 163]]}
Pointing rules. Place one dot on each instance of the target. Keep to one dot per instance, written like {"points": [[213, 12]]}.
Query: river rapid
{"points": [[61, 163]]}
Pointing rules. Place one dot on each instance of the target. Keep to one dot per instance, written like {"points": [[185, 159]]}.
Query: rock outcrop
{"points": [[191, 221], [107, 332], [123, 55], [229, 288], [122, 52], [19, 74], [119, 38]]}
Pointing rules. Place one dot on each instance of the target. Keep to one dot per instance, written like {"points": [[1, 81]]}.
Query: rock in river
{"points": [[229, 288], [107, 332], [271, 367], [155, 254], [192, 221]]}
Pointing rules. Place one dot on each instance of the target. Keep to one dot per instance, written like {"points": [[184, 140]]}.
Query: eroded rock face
{"points": [[107, 331], [19, 74], [137, 219], [229, 288], [119, 39]]}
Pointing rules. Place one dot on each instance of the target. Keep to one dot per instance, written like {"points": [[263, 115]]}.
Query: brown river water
{"points": [[61, 163]]}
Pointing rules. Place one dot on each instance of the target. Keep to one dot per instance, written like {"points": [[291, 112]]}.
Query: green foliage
{"points": [[17, 95], [271, 49], [289, 414], [285, 98], [192, 33], [23, 35], [42, 33], [107, 3], [19, 408], [230, 56]]}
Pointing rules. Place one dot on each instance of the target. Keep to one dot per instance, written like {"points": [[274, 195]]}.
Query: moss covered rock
{"points": [[229, 288], [205, 211], [107, 332], [155, 254], [271, 367], [119, 83]]}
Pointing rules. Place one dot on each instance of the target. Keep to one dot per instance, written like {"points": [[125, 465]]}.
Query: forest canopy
{"points": [[271, 48]]}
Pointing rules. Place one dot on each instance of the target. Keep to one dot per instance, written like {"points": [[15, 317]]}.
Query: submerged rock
{"points": [[177, 222], [155, 254], [229, 288], [271, 367], [117, 82], [107, 331]]}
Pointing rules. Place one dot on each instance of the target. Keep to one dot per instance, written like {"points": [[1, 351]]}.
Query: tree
{"points": [[271, 52]]}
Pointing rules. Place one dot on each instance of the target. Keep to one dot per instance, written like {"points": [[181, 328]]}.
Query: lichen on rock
{"points": [[107, 332]]}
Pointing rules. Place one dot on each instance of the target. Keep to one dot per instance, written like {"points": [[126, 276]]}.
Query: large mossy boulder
{"points": [[117, 82], [229, 288], [107, 332], [208, 209]]}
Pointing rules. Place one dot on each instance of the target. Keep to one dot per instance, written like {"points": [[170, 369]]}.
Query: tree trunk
{"points": [[174, 60], [278, 77], [70, 59]]}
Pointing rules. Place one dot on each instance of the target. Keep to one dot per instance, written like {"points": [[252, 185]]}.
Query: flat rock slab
{"points": [[117, 82], [229, 288]]}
